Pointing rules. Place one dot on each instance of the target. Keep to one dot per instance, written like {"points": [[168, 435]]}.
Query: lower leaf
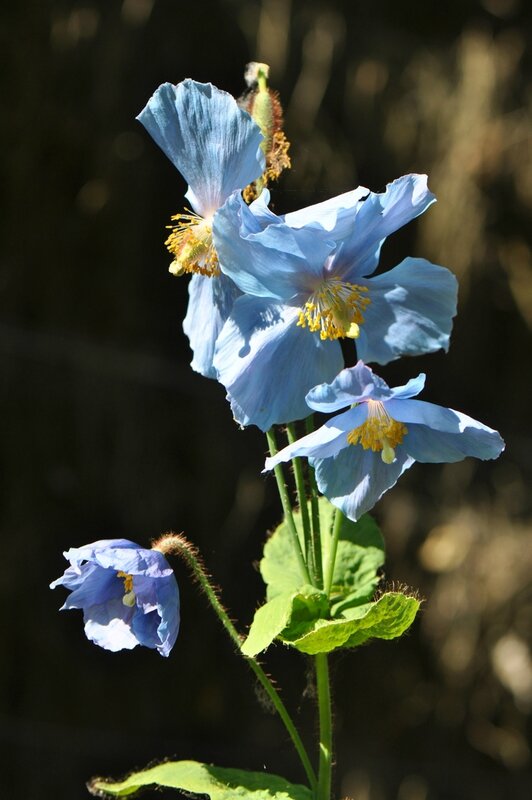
{"points": [[218, 783]]}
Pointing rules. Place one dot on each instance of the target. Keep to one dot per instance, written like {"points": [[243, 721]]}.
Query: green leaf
{"points": [[387, 618], [273, 617], [218, 783], [359, 556]]}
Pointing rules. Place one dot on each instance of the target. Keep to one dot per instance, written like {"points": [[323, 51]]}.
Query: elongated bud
{"points": [[264, 106]]}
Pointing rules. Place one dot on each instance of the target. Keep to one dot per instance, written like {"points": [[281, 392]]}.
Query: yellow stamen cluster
{"points": [[129, 598], [379, 432], [335, 309], [190, 243]]}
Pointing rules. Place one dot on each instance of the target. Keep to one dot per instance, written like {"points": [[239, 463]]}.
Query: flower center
{"points": [[379, 432], [335, 309], [129, 597], [190, 243]]}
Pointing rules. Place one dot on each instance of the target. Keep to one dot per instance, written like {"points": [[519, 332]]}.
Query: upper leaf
{"points": [[359, 556], [386, 618], [273, 617], [218, 783]]}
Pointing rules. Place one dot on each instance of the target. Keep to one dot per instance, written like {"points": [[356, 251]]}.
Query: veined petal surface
{"points": [[213, 143], [355, 478], [275, 262], [267, 363], [411, 311], [350, 386], [377, 217], [210, 303]]}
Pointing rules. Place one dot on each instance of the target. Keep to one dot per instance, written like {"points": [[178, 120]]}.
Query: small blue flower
{"points": [[129, 595], [359, 454], [216, 146], [307, 279]]}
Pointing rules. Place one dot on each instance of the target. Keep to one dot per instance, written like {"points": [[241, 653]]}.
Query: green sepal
{"points": [[218, 783], [387, 618], [271, 619]]}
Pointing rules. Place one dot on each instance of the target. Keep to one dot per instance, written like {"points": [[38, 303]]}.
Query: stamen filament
{"points": [[190, 243], [379, 432], [335, 309]]}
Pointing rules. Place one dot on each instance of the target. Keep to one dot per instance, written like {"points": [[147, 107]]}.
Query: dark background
{"points": [[106, 432]]}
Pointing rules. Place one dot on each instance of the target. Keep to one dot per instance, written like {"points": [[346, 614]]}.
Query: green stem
{"points": [[302, 499], [178, 545], [325, 716], [287, 509], [315, 510], [337, 527]]}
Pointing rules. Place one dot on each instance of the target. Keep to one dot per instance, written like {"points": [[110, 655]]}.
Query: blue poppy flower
{"points": [[359, 454], [307, 282], [129, 595], [216, 146]]}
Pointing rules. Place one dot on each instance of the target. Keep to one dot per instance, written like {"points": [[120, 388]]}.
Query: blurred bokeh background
{"points": [[106, 431]]}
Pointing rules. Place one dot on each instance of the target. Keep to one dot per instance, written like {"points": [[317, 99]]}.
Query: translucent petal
{"points": [[209, 305], [267, 363], [435, 446], [378, 216], [350, 386], [356, 478], [213, 143], [336, 215], [109, 626], [411, 311], [275, 262]]}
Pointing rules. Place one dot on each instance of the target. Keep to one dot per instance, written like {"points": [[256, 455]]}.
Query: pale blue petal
{"points": [[435, 446], [410, 311], [168, 605], [99, 586], [412, 388], [109, 626], [210, 303], [423, 413], [379, 216], [259, 214], [267, 363], [134, 562], [324, 442], [356, 478], [350, 386], [277, 262], [336, 216], [144, 628], [88, 552], [213, 143]]}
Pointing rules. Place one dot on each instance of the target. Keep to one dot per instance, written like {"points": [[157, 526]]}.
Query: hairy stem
{"points": [[177, 544]]}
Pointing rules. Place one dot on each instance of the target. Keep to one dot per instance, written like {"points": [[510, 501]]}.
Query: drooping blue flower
{"points": [[216, 146], [359, 454], [128, 594], [308, 282]]}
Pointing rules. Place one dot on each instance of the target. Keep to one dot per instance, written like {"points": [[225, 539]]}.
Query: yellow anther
{"points": [[129, 598], [335, 309], [190, 243], [379, 432]]}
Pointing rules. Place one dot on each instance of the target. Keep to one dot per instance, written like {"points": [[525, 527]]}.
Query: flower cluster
{"points": [[270, 299]]}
